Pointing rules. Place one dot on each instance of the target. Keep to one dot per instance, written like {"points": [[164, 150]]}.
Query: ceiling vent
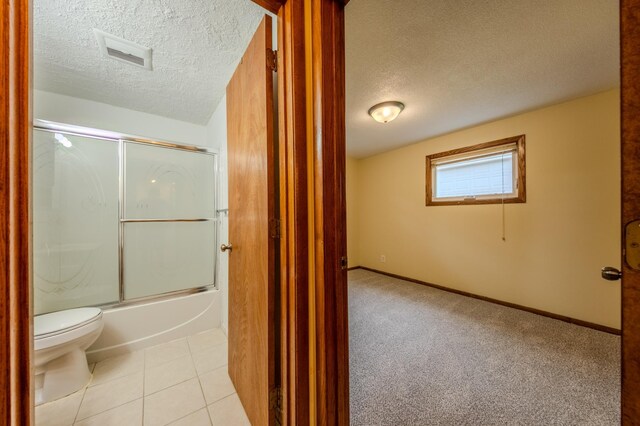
{"points": [[123, 50]]}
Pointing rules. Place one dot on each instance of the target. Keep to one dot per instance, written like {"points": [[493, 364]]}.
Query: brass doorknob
{"points": [[226, 247]]}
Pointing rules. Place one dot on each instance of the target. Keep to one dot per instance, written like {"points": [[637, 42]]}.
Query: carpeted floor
{"points": [[421, 356]]}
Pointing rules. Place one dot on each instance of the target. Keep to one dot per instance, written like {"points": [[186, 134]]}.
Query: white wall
{"points": [[217, 139], [81, 112]]}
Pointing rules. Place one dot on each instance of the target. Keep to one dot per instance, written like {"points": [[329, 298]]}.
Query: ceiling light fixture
{"points": [[386, 111]]}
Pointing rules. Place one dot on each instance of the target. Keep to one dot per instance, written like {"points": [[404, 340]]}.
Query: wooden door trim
{"points": [[312, 207], [326, 94], [630, 55], [294, 214], [16, 394], [272, 6]]}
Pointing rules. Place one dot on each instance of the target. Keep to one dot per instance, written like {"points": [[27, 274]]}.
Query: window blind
{"points": [[484, 174]]}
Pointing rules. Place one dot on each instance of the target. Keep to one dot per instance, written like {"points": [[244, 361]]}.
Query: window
{"points": [[489, 173]]}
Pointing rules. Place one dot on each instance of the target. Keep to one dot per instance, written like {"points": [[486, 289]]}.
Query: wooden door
{"points": [[252, 201], [630, 43]]}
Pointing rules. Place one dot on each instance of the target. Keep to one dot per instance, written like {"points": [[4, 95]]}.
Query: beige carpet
{"points": [[421, 356]]}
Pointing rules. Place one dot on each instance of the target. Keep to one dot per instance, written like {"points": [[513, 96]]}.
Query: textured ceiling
{"points": [[458, 63], [196, 47]]}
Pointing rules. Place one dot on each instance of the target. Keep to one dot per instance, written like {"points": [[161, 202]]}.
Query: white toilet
{"points": [[61, 339]]}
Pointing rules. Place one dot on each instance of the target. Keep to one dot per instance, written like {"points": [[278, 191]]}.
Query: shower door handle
{"points": [[226, 247]]}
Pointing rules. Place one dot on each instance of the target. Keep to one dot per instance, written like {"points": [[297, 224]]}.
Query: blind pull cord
{"points": [[504, 227]]}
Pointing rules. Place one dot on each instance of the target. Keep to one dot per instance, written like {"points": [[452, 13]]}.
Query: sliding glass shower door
{"points": [[118, 220], [75, 221], [169, 220]]}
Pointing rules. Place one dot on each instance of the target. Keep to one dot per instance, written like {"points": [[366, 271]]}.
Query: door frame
{"points": [[311, 92], [313, 281], [16, 380], [630, 154]]}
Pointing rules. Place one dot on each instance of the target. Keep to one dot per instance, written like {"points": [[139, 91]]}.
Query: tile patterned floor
{"points": [[183, 382]]}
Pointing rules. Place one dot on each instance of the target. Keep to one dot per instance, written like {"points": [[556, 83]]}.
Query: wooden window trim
{"points": [[522, 185]]}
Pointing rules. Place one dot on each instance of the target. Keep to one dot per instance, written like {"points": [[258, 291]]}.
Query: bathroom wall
{"points": [[556, 242], [217, 139], [81, 112]]}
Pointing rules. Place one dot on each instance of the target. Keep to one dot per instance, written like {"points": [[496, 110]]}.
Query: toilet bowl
{"points": [[61, 339]]}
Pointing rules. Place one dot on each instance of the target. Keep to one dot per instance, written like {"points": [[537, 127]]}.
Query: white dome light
{"points": [[386, 111]]}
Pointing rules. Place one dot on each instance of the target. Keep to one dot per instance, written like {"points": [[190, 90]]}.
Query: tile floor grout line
{"points": [[89, 385], [207, 348], [84, 392], [144, 379], [112, 408], [223, 397], [175, 384], [204, 398], [114, 379], [197, 375], [180, 418], [206, 405], [102, 412], [168, 361]]}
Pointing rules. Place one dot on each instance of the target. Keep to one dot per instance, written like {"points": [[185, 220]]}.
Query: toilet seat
{"points": [[59, 323]]}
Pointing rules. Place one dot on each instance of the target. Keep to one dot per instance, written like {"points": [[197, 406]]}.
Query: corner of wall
{"points": [[352, 191], [217, 139]]}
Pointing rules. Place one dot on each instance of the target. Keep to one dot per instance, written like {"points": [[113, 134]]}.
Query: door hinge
{"points": [[274, 228], [344, 262], [272, 60], [275, 403]]}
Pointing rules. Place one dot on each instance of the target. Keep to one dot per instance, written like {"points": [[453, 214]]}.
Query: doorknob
{"points": [[610, 273], [226, 247]]}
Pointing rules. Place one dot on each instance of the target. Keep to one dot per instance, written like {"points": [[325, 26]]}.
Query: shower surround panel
{"points": [[118, 220]]}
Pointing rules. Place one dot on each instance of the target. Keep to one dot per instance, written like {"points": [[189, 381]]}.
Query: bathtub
{"points": [[134, 327]]}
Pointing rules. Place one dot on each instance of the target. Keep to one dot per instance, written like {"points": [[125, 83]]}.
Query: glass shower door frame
{"points": [[121, 139], [130, 217]]}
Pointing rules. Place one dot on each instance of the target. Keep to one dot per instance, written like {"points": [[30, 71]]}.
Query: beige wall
{"points": [[556, 243], [352, 228]]}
